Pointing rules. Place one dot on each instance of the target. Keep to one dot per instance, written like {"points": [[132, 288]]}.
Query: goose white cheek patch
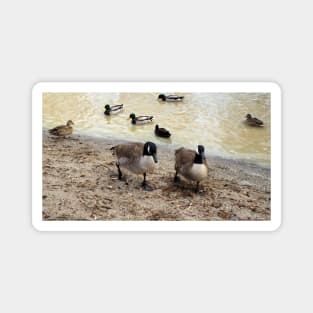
{"points": [[79, 184]]}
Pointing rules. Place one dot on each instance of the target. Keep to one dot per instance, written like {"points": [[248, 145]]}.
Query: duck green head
{"points": [[248, 116], [162, 97], [132, 116], [107, 107]]}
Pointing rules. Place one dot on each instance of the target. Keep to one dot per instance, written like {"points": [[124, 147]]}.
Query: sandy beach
{"points": [[80, 183]]}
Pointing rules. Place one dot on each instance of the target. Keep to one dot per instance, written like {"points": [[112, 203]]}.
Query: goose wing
{"points": [[184, 158], [131, 151]]}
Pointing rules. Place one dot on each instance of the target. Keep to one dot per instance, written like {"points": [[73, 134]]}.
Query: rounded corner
{"points": [[276, 87], [37, 87], [36, 226], [276, 226]]}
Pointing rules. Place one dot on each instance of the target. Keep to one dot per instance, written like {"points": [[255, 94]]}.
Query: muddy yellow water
{"points": [[214, 120]]}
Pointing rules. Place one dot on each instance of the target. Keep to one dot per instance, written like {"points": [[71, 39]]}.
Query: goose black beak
{"points": [[155, 158]]}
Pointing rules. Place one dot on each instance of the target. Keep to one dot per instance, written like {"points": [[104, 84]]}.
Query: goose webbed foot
{"points": [[146, 187], [144, 184]]}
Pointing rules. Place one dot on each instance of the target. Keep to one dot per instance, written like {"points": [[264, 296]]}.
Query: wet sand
{"points": [[80, 183]]}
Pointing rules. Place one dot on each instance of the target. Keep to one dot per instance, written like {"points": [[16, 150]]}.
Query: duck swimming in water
{"points": [[253, 121], [113, 109], [138, 158], [142, 119], [63, 130], [170, 98], [162, 132]]}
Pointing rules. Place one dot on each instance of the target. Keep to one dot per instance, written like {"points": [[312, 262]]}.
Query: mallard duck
{"points": [[63, 130], [138, 120], [253, 121], [191, 165], [138, 158], [113, 109], [170, 98], [161, 132]]}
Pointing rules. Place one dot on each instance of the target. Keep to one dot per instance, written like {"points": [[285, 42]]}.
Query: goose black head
{"points": [[162, 97], [107, 107], [248, 116], [150, 149], [200, 156], [156, 127]]}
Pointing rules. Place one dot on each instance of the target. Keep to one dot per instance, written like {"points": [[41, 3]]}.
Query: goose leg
{"points": [[145, 185], [119, 171], [176, 178], [197, 188]]}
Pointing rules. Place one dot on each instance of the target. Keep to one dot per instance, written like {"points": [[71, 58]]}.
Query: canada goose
{"points": [[170, 98], [113, 109], [63, 130], [139, 120], [138, 158], [161, 132], [253, 121], [191, 164]]}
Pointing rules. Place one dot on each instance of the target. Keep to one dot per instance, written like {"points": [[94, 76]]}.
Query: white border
{"points": [[269, 87]]}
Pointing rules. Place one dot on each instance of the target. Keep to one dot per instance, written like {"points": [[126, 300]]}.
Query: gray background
{"points": [[155, 41]]}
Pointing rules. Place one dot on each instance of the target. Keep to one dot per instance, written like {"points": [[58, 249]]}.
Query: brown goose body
{"points": [[191, 165], [136, 157], [129, 156]]}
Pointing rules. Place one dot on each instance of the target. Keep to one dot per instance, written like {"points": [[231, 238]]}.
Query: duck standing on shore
{"points": [[138, 158], [170, 98], [191, 165], [142, 119], [161, 132], [113, 109], [63, 130], [253, 121]]}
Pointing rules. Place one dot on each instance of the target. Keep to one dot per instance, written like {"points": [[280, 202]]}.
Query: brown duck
{"points": [[63, 130]]}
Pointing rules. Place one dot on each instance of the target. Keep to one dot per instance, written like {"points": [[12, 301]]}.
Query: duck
{"points": [[191, 164], [170, 98], [253, 121], [63, 130], [138, 158], [113, 109], [143, 119], [161, 132]]}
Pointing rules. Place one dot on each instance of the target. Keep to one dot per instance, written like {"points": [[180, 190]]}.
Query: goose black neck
{"points": [[198, 159]]}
